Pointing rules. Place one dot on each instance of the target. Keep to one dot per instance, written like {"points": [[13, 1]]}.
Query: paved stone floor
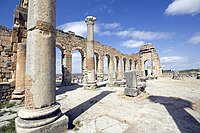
{"points": [[168, 106]]}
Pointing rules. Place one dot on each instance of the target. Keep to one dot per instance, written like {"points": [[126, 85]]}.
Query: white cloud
{"points": [[144, 35], [181, 7], [110, 25], [173, 59], [195, 39], [79, 27], [179, 63], [132, 44]]}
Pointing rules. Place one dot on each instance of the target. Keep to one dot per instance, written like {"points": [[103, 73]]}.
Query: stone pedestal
{"points": [[18, 93], [41, 112], [131, 81], [56, 126], [90, 66]]}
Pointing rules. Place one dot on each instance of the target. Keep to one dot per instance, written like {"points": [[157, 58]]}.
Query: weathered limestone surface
{"points": [[41, 112], [18, 93], [131, 81], [91, 80]]}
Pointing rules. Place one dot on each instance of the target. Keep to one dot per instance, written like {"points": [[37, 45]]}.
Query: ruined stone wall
{"points": [[6, 52]]}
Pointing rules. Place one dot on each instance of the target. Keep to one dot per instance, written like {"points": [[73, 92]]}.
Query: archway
{"points": [[96, 62], [147, 68], [124, 65], [116, 63], [77, 66], [59, 73], [130, 64], [106, 60]]}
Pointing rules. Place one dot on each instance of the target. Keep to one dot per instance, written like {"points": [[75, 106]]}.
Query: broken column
{"points": [[131, 82], [91, 81], [18, 93], [41, 112]]}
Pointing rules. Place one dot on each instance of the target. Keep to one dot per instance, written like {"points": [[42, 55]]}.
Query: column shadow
{"points": [[64, 89], [78, 110], [185, 122]]}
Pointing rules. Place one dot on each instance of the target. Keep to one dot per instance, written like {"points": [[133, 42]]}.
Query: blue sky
{"points": [[173, 26]]}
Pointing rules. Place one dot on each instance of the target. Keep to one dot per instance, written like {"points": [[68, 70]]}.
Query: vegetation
{"points": [[6, 105], [189, 70], [9, 128]]}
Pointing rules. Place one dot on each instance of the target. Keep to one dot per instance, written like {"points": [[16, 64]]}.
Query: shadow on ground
{"points": [[64, 89], [78, 110], [185, 122]]}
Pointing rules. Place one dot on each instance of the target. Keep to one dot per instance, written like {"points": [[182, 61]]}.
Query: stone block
{"points": [[131, 92], [131, 79], [23, 33], [58, 126]]}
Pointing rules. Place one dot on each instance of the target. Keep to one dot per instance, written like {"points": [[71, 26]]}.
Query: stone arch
{"points": [[130, 64], [82, 77], [124, 64], [147, 67]]}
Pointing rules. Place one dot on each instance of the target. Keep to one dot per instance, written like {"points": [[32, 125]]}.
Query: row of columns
{"points": [[67, 68], [38, 75]]}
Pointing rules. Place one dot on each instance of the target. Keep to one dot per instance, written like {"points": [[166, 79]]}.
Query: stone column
{"points": [[111, 75], [119, 70], [67, 68], [18, 93], [41, 112], [100, 72], [91, 81], [127, 66]]}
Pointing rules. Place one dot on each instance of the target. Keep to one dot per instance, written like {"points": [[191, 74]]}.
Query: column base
{"points": [[18, 95], [133, 92], [91, 85], [58, 126]]}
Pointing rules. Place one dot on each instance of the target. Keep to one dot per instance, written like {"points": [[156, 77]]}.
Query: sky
{"points": [[172, 26]]}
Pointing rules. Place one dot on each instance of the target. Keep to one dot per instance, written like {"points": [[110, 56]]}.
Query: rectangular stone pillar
{"points": [[91, 79], [41, 113], [131, 81]]}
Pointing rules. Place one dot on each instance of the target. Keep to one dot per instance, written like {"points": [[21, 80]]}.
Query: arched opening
{"points": [[130, 64], [96, 64], [116, 62], [147, 68], [59, 73], [77, 66], [135, 64], [106, 60], [124, 65]]}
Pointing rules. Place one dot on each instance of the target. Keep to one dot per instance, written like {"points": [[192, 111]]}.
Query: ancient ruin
{"points": [[69, 41], [26, 74]]}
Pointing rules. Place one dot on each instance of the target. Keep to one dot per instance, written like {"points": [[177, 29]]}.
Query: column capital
{"points": [[90, 19]]}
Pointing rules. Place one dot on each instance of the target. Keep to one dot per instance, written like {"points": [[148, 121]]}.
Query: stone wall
{"points": [[6, 89], [6, 52]]}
